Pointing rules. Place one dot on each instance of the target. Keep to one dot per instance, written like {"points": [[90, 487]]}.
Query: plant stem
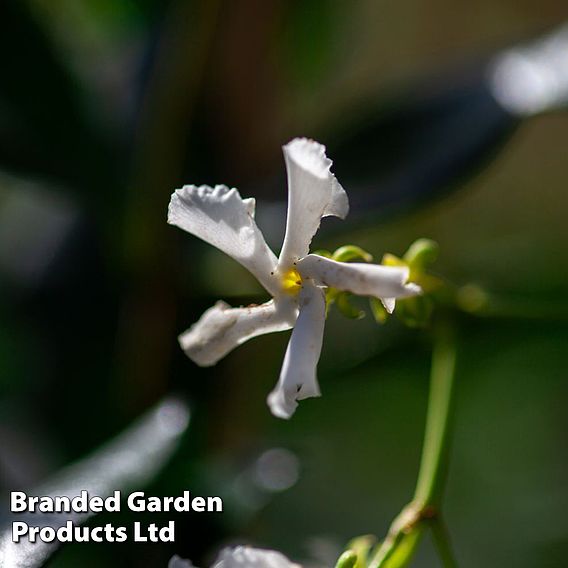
{"points": [[404, 534], [442, 541], [433, 465]]}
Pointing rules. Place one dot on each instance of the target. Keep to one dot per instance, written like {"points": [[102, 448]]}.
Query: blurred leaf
{"points": [[131, 460], [422, 142], [43, 130]]}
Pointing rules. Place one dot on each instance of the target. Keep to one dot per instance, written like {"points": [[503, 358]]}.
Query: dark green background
{"points": [[106, 106]]}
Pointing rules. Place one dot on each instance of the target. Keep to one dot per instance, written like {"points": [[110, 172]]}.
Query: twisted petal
{"points": [[222, 328], [247, 557], [313, 193], [223, 219], [298, 376], [386, 282]]}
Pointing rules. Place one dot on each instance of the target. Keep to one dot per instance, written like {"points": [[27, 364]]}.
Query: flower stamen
{"points": [[291, 282]]}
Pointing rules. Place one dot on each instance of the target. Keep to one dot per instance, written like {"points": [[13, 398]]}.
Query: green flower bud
{"points": [[347, 560], [323, 252], [471, 298], [416, 311], [378, 310], [421, 254], [361, 547], [346, 307], [348, 253]]}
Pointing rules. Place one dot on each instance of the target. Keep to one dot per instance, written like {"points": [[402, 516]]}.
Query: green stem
{"points": [[404, 534], [442, 541], [432, 474]]}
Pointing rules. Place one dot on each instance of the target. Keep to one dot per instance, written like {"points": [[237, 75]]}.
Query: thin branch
{"points": [[403, 537], [433, 466], [441, 539]]}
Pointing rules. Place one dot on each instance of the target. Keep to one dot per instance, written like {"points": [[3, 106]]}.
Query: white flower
{"points": [[242, 557], [296, 280], [178, 562]]}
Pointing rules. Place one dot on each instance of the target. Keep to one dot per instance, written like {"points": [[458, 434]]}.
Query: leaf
{"points": [[131, 460], [43, 126]]}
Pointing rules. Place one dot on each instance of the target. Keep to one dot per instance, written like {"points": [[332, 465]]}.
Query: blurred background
{"points": [[106, 106]]}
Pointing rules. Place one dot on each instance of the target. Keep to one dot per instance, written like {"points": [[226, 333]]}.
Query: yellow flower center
{"points": [[291, 281]]}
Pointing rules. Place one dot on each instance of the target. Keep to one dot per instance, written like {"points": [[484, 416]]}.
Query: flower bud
{"points": [[421, 254], [349, 253], [347, 560]]}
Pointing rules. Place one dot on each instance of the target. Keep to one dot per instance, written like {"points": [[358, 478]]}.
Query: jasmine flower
{"points": [[296, 280]]}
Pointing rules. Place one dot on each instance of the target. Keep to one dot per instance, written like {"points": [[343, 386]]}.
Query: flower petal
{"points": [[389, 304], [313, 193], [178, 562], [298, 376], [222, 328], [359, 278], [248, 557], [222, 218]]}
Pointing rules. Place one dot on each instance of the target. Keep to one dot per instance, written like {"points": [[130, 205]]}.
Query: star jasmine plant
{"points": [[296, 280]]}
